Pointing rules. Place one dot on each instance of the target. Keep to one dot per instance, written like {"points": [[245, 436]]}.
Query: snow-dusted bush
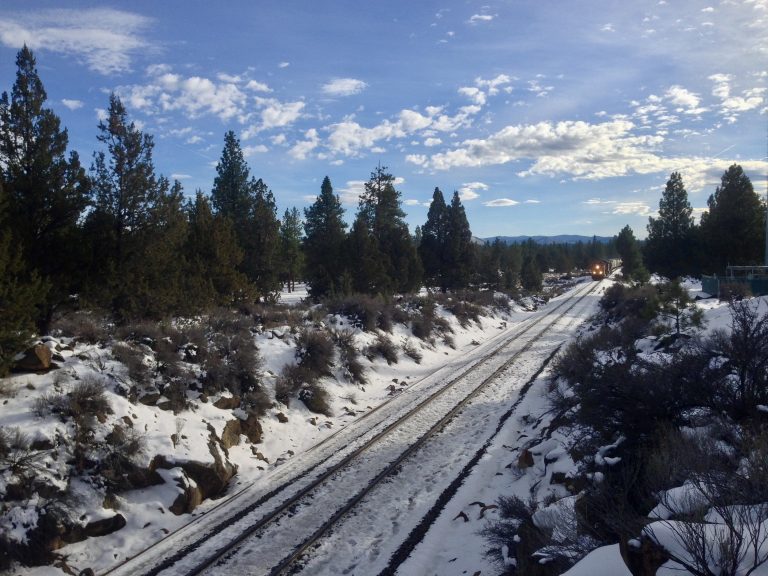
{"points": [[383, 347]]}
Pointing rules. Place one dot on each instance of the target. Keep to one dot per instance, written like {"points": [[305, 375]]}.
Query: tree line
{"points": [[730, 232]]}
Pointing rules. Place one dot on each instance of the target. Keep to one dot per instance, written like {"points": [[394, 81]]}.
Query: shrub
{"points": [[363, 310], [292, 378], [87, 398], [314, 352], [383, 347], [257, 401], [83, 326], [411, 350], [232, 361], [465, 312], [316, 399], [133, 360], [424, 322], [640, 302], [349, 357]]}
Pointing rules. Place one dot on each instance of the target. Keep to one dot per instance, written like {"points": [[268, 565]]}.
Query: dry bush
{"points": [[363, 311], [314, 351], [83, 326], [383, 347], [465, 312], [257, 401], [87, 397], [424, 321], [133, 359], [316, 399], [412, 351], [349, 357], [292, 378], [232, 361]]}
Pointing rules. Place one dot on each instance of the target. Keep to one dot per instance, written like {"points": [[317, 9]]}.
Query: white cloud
{"points": [[344, 87], [194, 140], [679, 96], [301, 149], [469, 190], [258, 86], [277, 114], [352, 192], [101, 114], [732, 105], [228, 78], [637, 208], [283, 64], [252, 150], [475, 94], [418, 159], [533, 202], [180, 176], [430, 142], [481, 18], [105, 39], [501, 202], [493, 84], [72, 104]]}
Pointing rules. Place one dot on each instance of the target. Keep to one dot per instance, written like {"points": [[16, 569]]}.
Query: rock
{"points": [[111, 501], [230, 436], [203, 398], [128, 421], [259, 455], [227, 403], [282, 418], [105, 526], [645, 559], [34, 359], [558, 478], [525, 460], [150, 399], [251, 429]]}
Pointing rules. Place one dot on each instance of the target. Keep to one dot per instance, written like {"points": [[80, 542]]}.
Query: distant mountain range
{"points": [[560, 239]]}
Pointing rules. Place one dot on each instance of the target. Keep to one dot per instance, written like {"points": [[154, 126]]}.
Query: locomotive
{"points": [[602, 268]]}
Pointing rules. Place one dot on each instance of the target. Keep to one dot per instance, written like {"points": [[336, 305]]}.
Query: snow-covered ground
{"points": [[184, 436]]}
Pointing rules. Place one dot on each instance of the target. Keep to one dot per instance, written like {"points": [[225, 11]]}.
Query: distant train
{"points": [[602, 268]]}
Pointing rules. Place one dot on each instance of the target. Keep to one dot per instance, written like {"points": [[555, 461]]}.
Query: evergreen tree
{"points": [[530, 275], [47, 191], [263, 243], [20, 294], [213, 257], [460, 247], [668, 247], [631, 258], [291, 255], [380, 210], [324, 243], [734, 226], [433, 248], [367, 264], [232, 194], [125, 192]]}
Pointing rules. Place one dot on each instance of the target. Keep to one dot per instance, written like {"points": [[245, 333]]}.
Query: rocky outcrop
{"points": [[227, 403]]}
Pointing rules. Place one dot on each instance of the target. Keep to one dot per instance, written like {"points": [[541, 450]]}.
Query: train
{"points": [[602, 268]]}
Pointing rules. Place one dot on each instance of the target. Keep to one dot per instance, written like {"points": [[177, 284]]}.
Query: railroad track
{"points": [[373, 451]]}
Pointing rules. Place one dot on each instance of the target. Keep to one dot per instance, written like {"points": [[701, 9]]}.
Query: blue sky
{"points": [[549, 117]]}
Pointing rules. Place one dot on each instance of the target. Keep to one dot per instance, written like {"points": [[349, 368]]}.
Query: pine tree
{"points": [[380, 210], [125, 192], [324, 241], [460, 248], [734, 226], [263, 243], [367, 264], [291, 255], [669, 244], [232, 194], [213, 257], [530, 274], [433, 248], [47, 191], [20, 294], [631, 258]]}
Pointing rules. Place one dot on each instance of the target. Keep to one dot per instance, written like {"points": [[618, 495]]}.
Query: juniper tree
{"points": [[47, 190]]}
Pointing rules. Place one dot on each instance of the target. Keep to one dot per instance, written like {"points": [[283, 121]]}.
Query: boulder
{"points": [[34, 359], [227, 403], [282, 418], [525, 460], [251, 428], [230, 436]]}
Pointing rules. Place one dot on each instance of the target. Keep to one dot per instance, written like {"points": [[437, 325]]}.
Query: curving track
{"points": [[408, 443]]}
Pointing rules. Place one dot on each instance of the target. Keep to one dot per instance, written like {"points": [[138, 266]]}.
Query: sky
{"points": [[547, 116]]}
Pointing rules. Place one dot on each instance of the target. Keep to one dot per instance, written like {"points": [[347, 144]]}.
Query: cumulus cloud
{"points": [[731, 105], [636, 208], [258, 86], [105, 39], [72, 104], [430, 142], [686, 101], [501, 202], [473, 93], [300, 150], [579, 149], [344, 87], [180, 176], [249, 151], [469, 190]]}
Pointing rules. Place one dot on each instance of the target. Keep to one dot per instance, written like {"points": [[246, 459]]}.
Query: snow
{"points": [[603, 561]]}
